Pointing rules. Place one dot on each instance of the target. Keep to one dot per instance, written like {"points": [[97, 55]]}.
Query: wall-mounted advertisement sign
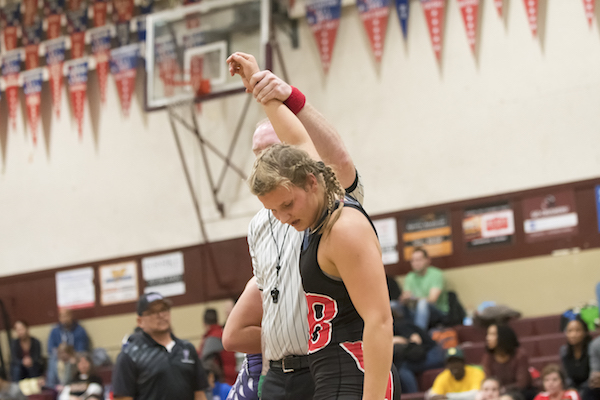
{"points": [[488, 224], [387, 231], [550, 216], [431, 231], [75, 288], [164, 274], [118, 283]]}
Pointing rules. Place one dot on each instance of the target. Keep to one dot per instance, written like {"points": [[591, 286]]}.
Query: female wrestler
{"points": [[350, 322]]}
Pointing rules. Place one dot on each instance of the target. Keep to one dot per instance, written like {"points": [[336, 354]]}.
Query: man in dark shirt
{"points": [[154, 364]]}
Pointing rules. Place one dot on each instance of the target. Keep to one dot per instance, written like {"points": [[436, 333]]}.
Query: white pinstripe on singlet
{"points": [[285, 323]]}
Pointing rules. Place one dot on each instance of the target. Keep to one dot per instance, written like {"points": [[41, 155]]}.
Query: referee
{"points": [[154, 364]]}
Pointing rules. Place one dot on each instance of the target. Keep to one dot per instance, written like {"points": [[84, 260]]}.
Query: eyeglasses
{"points": [[150, 313]]}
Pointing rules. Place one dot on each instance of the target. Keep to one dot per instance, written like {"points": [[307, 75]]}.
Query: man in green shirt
{"points": [[424, 293]]}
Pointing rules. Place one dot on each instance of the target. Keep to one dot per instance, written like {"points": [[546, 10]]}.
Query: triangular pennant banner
{"points": [[54, 10], [434, 14], [12, 19], [55, 56], [100, 8], [32, 87], [402, 8], [589, 6], [531, 6], [470, 12], [78, 74], [166, 56], [31, 40], [323, 17], [123, 64], [11, 66], [498, 4], [101, 49], [374, 15]]}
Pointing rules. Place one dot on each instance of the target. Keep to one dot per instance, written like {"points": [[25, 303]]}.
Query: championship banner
{"points": [[77, 77], [166, 57], [77, 18], [589, 6], [11, 66], [54, 10], [101, 50], [31, 40], [145, 9], [100, 8], [470, 13], [374, 15], [434, 14], [323, 17], [498, 4], [402, 8], [123, 11], [123, 64], [55, 56], [531, 6], [32, 87], [12, 19]]}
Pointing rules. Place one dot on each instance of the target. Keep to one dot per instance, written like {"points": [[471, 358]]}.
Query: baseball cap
{"points": [[455, 352], [147, 299]]}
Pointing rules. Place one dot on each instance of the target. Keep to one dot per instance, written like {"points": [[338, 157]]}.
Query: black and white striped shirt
{"points": [[285, 323]]}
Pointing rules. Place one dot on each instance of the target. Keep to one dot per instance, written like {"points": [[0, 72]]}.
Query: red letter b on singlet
{"points": [[321, 310]]}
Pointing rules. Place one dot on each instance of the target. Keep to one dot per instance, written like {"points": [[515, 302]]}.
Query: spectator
{"points": [[512, 395], [68, 331], [505, 360], [86, 383], [154, 364], [217, 389], [574, 354], [212, 344], [64, 370], [414, 352], [458, 380], [424, 294], [490, 389], [26, 354], [554, 385], [9, 390], [592, 392]]}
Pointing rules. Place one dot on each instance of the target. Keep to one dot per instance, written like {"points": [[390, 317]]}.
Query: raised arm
{"points": [[267, 86], [362, 272], [288, 127], [242, 329]]}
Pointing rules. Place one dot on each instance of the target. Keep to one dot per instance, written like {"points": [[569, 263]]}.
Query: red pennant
{"points": [[31, 56], [54, 26], [77, 44], [434, 14], [31, 9], [531, 6], [10, 38], [32, 87], [100, 8], [77, 88], [498, 4], [102, 67], [589, 6], [12, 95], [56, 82], [123, 10], [125, 85], [470, 11], [375, 22], [200, 85], [325, 33]]}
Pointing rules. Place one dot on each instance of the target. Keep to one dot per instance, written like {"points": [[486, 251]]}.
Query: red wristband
{"points": [[296, 101]]}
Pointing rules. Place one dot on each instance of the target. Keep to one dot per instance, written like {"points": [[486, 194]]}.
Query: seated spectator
{"points": [[592, 392], [212, 344], [512, 395], [68, 331], [490, 389], [26, 354], [458, 380], [64, 370], [217, 390], [414, 352], [424, 294], [9, 390], [554, 385], [505, 360], [86, 383], [574, 354]]}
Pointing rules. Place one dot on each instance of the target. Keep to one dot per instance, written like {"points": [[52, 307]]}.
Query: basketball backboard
{"points": [[186, 48]]}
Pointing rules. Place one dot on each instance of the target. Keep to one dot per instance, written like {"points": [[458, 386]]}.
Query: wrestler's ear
{"points": [[312, 183]]}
